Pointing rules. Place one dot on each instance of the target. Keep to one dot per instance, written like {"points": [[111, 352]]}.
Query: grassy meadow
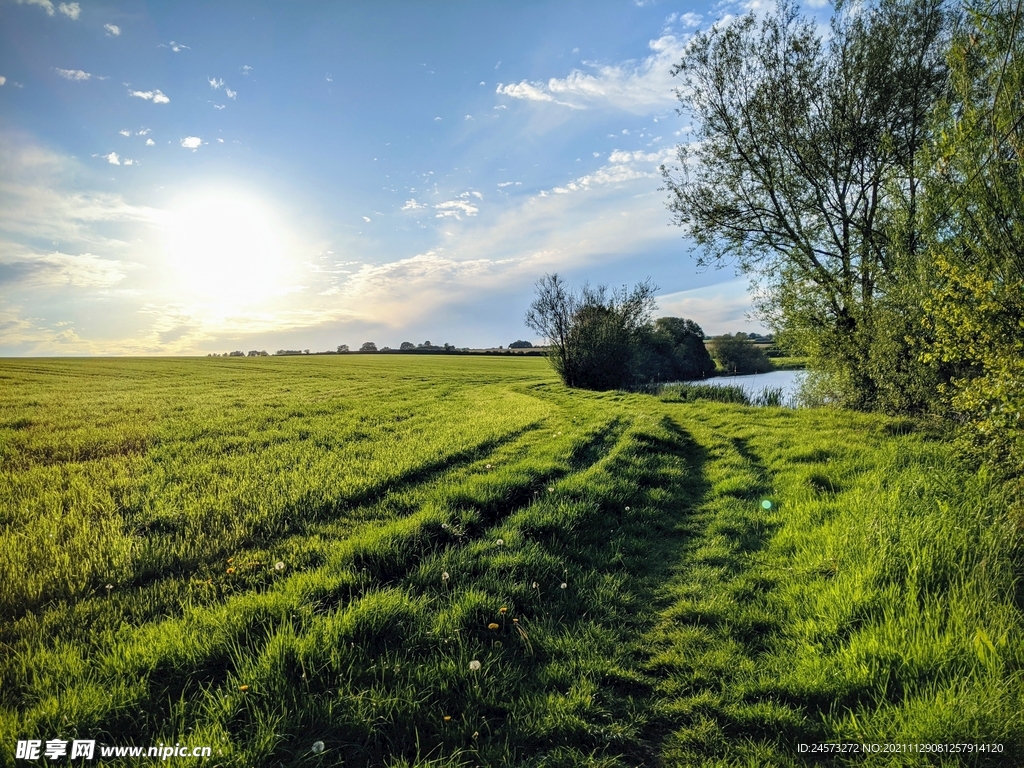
{"points": [[448, 561]]}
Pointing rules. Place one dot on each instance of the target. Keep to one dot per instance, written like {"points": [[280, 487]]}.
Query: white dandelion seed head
{"points": [[500, 542], [444, 576], [474, 665], [563, 585], [550, 489], [535, 585], [627, 509], [318, 747], [278, 566]]}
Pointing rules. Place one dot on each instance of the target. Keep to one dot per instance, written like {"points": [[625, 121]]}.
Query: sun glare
{"points": [[226, 249]]}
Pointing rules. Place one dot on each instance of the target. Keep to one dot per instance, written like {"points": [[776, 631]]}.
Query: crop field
{"points": [[452, 561]]}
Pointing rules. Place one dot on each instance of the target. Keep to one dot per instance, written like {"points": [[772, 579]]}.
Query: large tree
{"points": [[802, 170], [976, 232]]}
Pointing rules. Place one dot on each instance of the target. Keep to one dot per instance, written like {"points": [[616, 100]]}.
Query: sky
{"points": [[181, 178]]}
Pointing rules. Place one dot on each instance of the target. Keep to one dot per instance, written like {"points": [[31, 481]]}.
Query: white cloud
{"points": [[46, 5], [366, 218], [2, 79], [143, 131], [220, 141], [637, 87], [215, 83], [230, 94], [72, 74], [691, 19], [246, 69], [112, 158], [412, 205], [455, 209], [191, 142], [720, 308], [157, 96], [624, 166], [150, 142], [71, 10], [532, 92], [176, 47], [129, 161], [112, 29], [509, 183], [468, 117], [35, 270], [125, 132], [219, 106], [436, 119], [618, 156]]}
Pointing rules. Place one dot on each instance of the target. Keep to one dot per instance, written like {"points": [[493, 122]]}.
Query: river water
{"points": [[754, 384]]}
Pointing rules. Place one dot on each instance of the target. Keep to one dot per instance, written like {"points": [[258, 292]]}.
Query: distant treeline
{"points": [[531, 351]]}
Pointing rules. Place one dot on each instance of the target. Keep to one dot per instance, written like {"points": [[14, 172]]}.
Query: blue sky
{"points": [[181, 178]]}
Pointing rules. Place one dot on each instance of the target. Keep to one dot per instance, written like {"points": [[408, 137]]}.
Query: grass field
{"points": [[456, 561]]}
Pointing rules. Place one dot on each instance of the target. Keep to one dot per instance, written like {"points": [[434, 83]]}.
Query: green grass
{"points": [[413, 502]]}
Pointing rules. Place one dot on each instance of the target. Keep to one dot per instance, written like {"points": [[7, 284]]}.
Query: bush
{"points": [[594, 336]]}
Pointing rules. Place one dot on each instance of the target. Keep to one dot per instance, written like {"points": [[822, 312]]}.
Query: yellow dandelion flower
{"points": [[503, 610], [447, 718], [231, 570], [492, 625], [243, 687]]}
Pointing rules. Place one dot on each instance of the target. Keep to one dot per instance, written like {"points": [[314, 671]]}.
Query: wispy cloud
{"points": [[639, 87], [215, 83], [721, 308], [192, 142], [112, 29], [176, 47], [412, 205], [455, 209], [246, 69], [229, 93], [125, 132], [157, 96], [71, 10], [46, 5], [73, 74], [86, 270], [532, 92]]}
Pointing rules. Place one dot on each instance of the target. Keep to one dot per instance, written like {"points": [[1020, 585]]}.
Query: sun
{"points": [[226, 248]]}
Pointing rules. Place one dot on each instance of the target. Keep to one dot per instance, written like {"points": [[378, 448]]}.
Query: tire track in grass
{"points": [[707, 645], [377, 557]]}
